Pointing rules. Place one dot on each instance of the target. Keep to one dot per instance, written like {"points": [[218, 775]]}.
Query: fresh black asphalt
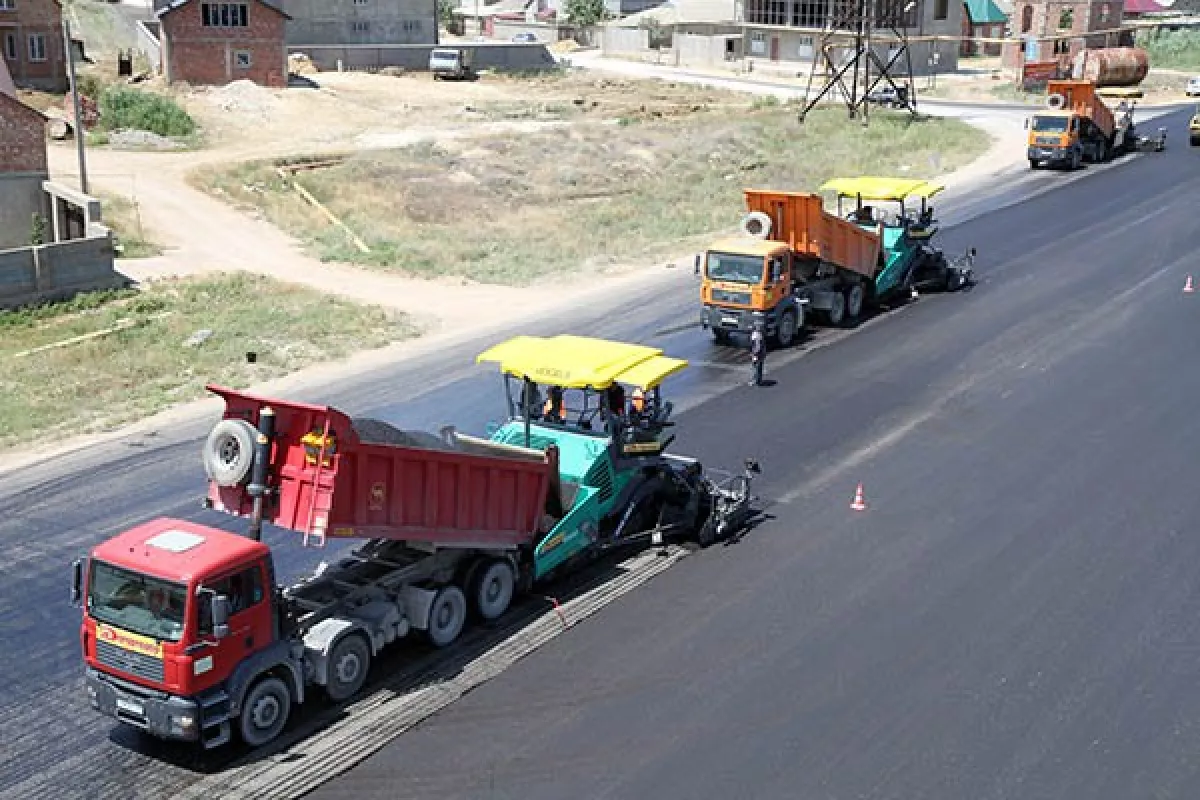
{"points": [[1012, 616]]}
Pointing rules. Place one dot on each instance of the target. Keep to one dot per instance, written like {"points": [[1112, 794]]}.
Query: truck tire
{"points": [[492, 589], [1033, 163], [346, 667], [720, 336], [265, 711], [854, 301], [447, 616], [229, 452], [788, 325], [837, 312]]}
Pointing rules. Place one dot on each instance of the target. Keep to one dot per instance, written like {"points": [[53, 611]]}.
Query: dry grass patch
{"points": [[100, 383], [513, 209], [122, 214]]}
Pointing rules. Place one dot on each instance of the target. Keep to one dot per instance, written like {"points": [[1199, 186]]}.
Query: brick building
{"points": [[32, 43], [983, 19], [216, 43], [1056, 30], [23, 165]]}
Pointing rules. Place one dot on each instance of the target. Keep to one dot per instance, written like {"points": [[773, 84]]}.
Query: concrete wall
{"points": [[509, 56], [329, 22], [57, 271], [21, 197], [148, 42]]}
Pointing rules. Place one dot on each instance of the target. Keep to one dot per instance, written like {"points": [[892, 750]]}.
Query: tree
{"points": [[585, 13], [445, 12], [37, 234]]}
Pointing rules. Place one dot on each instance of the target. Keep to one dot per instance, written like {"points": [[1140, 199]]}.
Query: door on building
{"points": [[774, 48]]}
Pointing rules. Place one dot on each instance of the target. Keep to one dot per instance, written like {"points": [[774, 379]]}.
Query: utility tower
{"points": [[847, 55]]}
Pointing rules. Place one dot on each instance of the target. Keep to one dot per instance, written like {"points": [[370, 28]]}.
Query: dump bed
{"points": [[800, 220], [1081, 97], [334, 476]]}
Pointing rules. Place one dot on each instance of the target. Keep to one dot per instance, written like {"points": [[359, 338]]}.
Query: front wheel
{"points": [[265, 711], [788, 325]]}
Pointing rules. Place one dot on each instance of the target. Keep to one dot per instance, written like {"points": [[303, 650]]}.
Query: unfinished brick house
{"points": [[23, 165], [32, 43], [1056, 30], [216, 43]]}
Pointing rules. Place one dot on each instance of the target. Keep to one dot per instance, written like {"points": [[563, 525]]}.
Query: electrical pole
{"points": [[70, 55]]}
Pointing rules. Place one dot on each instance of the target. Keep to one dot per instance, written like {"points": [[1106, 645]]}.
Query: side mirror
{"points": [[696, 265], [1026, 124], [220, 616], [752, 466], [77, 582], [971, 253]]}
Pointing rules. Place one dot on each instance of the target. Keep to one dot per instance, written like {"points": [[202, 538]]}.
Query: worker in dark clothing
{"points": [[758, 354]]}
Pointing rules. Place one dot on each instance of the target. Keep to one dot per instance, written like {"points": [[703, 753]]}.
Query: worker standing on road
{"points": [[758, 354]]}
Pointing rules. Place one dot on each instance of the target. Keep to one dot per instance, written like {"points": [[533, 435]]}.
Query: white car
{"points": [[1193, 87]]}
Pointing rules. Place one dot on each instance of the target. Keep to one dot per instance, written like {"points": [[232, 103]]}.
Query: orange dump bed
{"points": [[801, 220], [1081, 98]]}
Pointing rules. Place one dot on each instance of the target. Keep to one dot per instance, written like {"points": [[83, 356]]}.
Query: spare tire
{"points": [[229, 452], [756, 224], [1056, 101]]}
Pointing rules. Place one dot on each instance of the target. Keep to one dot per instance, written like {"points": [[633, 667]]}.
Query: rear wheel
{"points": [[837, 311], [492, 589], [854, 301], [447, 616], [720, 336], [347, 666]]}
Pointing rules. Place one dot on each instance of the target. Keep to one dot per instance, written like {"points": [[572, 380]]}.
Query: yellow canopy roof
{"points": [[872, 188], [575, 362]]}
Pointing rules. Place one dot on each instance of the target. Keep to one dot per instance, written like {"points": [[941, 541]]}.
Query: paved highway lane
{"points": [[857, 389], [1014, 616]]}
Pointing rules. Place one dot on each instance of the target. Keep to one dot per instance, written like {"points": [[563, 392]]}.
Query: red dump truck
{"points": [[185, 634]]}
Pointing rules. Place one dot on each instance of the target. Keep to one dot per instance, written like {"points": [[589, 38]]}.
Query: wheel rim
{"points": [[348, 668], [265, 712], [229, 451]]}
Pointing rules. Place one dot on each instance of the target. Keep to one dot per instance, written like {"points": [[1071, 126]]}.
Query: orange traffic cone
{"points": [[859, 503], [1187, 287]]}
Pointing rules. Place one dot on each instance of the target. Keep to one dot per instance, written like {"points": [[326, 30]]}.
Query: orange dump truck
{"points": [[793, 257], [1077, 126]]}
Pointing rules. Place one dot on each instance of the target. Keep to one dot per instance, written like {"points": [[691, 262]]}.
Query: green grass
{"points": [[101, 383], [1172, 49], [127, 108], [512, 210], [122, 215]]}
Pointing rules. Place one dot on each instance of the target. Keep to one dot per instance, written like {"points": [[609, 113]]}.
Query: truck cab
{"points": [[176, 615], [451, 62]]}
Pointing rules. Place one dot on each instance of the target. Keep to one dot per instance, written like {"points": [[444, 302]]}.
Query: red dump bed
{"points": [[372, 480], [801, 220]]}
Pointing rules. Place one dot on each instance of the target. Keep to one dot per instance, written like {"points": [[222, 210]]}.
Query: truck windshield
{"points": [[735, 268], [1050, 124], [137, 603]]}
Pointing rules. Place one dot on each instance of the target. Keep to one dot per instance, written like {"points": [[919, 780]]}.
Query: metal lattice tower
{"points": [[847, 54]]}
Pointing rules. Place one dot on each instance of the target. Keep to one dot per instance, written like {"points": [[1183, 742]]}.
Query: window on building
{"points": [[758, 43], [37, 47], [1105, 13], [242, 59], [10, 46], [1027, 19], [1066, 20], [224, 15], [8, 5], [360, 2], [941, 9], [412, 26], [360, 27]]}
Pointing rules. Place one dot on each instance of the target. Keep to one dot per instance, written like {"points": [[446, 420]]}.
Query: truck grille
{"points": [[726, 297], [144, 667], [1046, 140]]}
